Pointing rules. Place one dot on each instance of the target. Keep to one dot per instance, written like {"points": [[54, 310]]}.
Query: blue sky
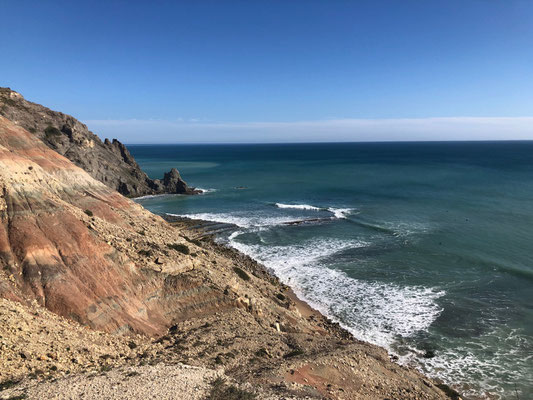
{"points": [[249, 71]]}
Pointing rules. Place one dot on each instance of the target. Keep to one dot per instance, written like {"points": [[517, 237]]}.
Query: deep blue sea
{"points": [[423, 248]]}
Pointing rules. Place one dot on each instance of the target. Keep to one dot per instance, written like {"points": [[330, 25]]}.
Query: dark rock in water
{"points": [[451, 393], [306, 221], [429, 354], [173, 183], [110, 162]]}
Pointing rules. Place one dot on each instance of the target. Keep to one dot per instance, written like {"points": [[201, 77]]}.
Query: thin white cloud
{"points": [[334, 130]]}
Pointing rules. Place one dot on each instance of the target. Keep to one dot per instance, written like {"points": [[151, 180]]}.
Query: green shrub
{"points": [[262, 353], [9, 101], [89, 213], [146, 253], [193, 241], [52, 131], [7, 384], [294, 353], [105, 368], [182, 248], [222, 391], [281, 296], [243, 275]]}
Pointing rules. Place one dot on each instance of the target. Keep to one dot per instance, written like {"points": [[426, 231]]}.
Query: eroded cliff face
{"points": [[109, 162], [70, 244], [81, 249]]}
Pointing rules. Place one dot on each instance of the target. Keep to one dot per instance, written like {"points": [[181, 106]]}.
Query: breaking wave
{"points": [[244, 220], [376, 312], [339, 213], [205, 191], [153, 196], [298, 206]]}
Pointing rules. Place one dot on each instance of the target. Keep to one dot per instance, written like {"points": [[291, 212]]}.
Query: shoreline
{"points": [[234, 319], [199, 228]]}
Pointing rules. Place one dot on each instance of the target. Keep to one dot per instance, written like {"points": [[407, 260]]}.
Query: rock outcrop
{"points": [[81, 249], [110, 162]]}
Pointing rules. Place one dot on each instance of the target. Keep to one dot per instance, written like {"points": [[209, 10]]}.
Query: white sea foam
{"points": [[243, 220], [205, 191], [407, 229], [234, 235], [340, 213], [151, 196], [386, 313], [254, 220], [298, 206], [505, 357], [376, 312]]}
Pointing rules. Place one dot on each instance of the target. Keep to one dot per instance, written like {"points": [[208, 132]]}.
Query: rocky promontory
{"points": [[110, 162], [104, 299]]}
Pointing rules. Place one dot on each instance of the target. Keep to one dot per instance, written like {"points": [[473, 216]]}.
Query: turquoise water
{"points": [[423, 248]]}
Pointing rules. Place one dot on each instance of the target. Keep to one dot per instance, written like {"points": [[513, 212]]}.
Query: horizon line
{"points": [[325, 130], [333, 142]]}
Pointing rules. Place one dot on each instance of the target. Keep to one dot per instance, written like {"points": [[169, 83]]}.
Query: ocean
{"points": [[425, 249]]}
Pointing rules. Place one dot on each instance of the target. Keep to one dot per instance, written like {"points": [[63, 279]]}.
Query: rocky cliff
{"points": [[110, 162], [71, 246], [66, 241]]}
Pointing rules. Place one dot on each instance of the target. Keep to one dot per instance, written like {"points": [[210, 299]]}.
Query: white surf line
{"points": [[340, 213], [299, 207]]}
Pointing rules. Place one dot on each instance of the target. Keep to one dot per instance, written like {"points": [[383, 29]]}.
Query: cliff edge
{"points": [[160, 296], [110, 162]]}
